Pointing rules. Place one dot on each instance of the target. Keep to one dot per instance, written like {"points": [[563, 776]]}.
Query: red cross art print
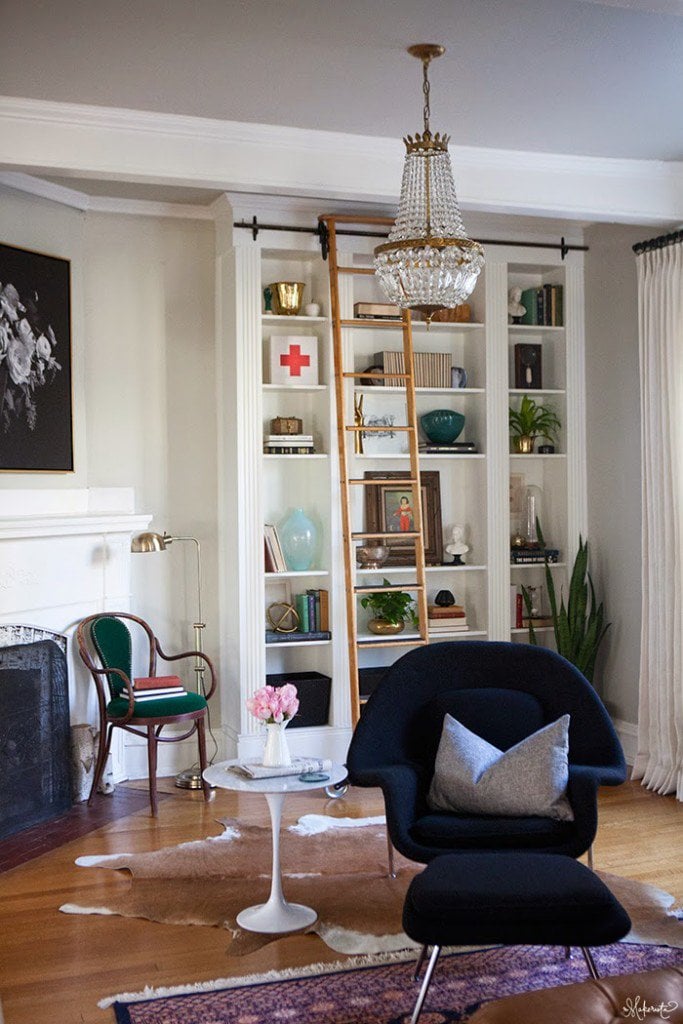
{"points": [[293, 359]]}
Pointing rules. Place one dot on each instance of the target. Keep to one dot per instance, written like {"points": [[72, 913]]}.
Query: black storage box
{"points": [[368, 678], [314, 696]]}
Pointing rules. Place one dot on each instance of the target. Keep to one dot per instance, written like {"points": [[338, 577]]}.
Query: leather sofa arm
{"points": [[635, 997]]}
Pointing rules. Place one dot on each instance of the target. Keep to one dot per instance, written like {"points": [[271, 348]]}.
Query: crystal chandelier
{"points": [[428, 263]]}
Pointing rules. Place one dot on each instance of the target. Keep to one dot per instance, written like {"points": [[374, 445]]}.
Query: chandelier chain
{"points": [[425, 90]]}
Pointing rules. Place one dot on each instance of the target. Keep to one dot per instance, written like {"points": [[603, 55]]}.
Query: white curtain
{"points": [[660, 714]]}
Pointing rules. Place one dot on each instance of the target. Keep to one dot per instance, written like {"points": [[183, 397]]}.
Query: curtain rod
{"points": [[323, 235], [658, 243]]}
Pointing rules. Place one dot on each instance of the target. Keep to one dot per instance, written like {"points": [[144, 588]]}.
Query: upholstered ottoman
{"points": [[464, 899]]}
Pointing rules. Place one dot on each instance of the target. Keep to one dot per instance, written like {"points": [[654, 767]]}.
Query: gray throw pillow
{"points": [[529, 779]]}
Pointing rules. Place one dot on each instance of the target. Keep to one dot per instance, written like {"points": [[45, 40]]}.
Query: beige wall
{"points": [[614, 469], [144, 386]]}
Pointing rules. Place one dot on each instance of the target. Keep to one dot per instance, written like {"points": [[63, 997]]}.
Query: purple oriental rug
{"points": [[381, 989]]}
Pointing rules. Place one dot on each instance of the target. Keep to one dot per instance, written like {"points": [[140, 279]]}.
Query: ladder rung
{"points": [[416, 642], [383, 427], [396, 324], [377, 375], [380, 483], [364, 536], [398, 587], [356, 270]]}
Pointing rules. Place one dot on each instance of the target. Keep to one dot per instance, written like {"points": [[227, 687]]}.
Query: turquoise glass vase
{"points": [[299, 540]]}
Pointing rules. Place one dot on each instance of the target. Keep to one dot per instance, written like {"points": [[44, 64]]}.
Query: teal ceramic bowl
{"points": [[442, 426]]}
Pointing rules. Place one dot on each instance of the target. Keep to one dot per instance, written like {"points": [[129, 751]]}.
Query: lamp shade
{"points": [[144, 542]]}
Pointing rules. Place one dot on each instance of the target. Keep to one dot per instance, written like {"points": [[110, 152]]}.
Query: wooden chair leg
{"points": [[152, 767], [104, 744], [201, 740]]}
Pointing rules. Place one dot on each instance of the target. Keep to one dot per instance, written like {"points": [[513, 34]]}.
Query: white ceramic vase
{"points": [[276, 753]]}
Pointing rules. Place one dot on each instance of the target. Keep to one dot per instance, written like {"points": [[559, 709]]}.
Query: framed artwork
{"points": [[528, 366], [389, 509], [293, 359], [36, 433], [383, 413]]}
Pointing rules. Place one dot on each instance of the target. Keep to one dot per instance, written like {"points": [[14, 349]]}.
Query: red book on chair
{"points": [[157, 683]]}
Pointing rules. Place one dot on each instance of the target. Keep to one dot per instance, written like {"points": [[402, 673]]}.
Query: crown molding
{"points": [[105, 143]]}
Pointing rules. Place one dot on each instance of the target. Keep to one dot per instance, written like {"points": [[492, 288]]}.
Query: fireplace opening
{"points": [[34, 728]]}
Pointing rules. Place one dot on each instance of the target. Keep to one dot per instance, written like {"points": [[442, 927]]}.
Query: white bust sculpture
{"points": [[457, 546], [515, 307]]}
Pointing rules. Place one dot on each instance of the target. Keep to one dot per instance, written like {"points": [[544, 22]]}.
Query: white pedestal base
{"points": [[276, 917]]}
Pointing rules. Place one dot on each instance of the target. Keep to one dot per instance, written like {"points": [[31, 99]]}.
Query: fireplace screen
{"points": [[34, 730]]}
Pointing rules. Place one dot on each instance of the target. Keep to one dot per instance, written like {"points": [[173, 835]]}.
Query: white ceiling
{"points": [[586, 77]]}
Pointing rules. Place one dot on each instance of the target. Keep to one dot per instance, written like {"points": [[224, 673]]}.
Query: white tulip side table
{"points": [[277, 915]]}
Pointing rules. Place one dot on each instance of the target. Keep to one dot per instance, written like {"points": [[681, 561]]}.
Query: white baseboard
{"points": [[171, 757], [628, 735], [320, 741]]}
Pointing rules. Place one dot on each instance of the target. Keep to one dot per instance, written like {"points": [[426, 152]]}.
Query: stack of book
{"points": [[446, 619], [432, 369], [376, 311], [313, 609], [273, 555], [454, 448], [533, 556], [289, 444], [544, 306], [147, 688]]}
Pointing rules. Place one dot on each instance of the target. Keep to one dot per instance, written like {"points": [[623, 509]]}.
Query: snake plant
{"points": [[579, 627]]}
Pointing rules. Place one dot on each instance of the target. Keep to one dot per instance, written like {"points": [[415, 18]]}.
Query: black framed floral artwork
{"points": [[36, 431]]}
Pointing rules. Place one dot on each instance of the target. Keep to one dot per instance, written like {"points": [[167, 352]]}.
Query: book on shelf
{"points": [[299, 766], [274, 547], [447, 625], [376, 311], [534, 556], [156, 682], [313, 609], [273, 637], [289, 449], [445, 611], [456, 448], [544, 306]]}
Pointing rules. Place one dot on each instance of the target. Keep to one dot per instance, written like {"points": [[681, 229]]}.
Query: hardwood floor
{"points": [[55, 967]]}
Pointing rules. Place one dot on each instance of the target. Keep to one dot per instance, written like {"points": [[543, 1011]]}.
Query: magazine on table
{"points": [[299, 765]]}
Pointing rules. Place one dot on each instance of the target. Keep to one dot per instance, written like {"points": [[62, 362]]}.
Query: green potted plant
{"points": [[530, 421], [390, 610], [579, 627]]}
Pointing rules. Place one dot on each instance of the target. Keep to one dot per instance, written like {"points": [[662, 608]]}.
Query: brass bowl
{"points": [[287, 297], [372, 556]]}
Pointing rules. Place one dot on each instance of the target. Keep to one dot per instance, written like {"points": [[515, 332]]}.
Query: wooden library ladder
{"points": [[346, 434]]}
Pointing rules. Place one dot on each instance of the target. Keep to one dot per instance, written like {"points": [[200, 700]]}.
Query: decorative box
{"points": [[293, 359], [314, 696]]}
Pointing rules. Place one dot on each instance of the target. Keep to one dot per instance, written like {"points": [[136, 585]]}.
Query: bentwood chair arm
{"points": [[190, 654], [128, 694]]}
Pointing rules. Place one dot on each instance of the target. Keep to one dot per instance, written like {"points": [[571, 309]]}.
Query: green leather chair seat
{"points": [[161, 708]]}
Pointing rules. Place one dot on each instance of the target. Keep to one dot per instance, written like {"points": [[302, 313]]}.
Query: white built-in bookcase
{"points": [[258, 488]]}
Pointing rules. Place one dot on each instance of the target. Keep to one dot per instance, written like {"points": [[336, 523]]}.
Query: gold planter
{"points": [[524, 444], [287, 297], [384, 628]]}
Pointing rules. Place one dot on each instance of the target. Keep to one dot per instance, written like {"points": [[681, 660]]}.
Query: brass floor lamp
{"points": [[189, 778]]}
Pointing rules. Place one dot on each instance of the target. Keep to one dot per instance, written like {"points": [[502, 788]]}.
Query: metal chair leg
{"points": [[390, 851], [588, 957], [589, 858], [425, 985], [420, 961], [567, 952]]}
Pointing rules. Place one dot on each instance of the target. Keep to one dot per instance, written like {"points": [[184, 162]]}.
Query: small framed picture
{"points": [[528, 366], [389, 509], [383, 413], [293, 359], [35, 362]]}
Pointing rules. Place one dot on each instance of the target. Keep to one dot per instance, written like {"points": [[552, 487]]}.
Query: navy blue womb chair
{"points": [[503, 692]]}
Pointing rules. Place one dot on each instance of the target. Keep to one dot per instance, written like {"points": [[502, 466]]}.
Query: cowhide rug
{"points": [[337, 865]]}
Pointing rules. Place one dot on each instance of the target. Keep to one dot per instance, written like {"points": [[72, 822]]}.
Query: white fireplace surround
{"points": [[64, 554]]}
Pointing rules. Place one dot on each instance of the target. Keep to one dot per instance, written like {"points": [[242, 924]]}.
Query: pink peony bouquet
{"points": [[273, 704]]}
